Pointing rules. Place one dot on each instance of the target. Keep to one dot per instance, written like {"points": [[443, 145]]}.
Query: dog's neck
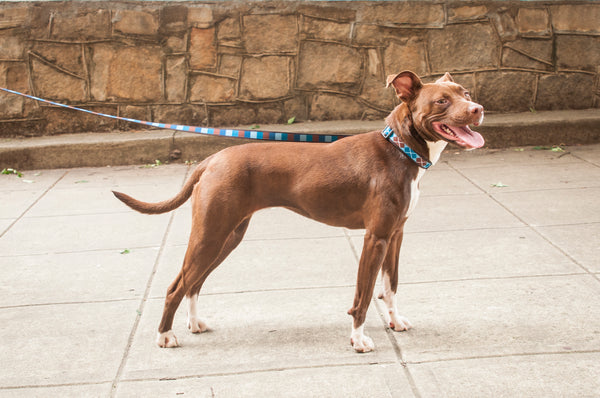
{"points": [[400, 120]]}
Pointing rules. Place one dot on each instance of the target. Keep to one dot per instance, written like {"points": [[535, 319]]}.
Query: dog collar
{"points": [[388, 134]]}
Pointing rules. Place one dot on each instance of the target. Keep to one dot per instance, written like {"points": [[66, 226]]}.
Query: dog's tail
{"points": [[169, 204]]}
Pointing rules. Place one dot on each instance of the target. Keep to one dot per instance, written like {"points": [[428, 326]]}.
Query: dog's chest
{"points": [[435, 151], [414, 192]]}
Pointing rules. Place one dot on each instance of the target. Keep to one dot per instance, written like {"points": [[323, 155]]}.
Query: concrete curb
{"points": [[569, 127]]}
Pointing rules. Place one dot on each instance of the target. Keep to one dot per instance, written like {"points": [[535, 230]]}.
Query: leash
{"points": [[388, 132], [248, 134]]}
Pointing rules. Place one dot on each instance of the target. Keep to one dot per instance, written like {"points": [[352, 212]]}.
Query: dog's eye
{"points": [[441, 101], [467, 95]]}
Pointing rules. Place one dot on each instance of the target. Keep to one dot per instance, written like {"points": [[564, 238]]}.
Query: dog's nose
{"points": [[476, 109]]}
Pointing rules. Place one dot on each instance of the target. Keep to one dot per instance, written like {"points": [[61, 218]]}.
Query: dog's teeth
{"points": [[448, 131]]}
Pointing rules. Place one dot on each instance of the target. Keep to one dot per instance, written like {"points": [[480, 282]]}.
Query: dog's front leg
{"points": [[194, 323], [373, 254], [389, 277]]}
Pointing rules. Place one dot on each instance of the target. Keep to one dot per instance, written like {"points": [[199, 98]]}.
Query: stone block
{"points": [[314, 28], [11, 106], [14, 76], [51, 83], [173, 19], [67, 121], [329, 66], [203, 48], [126, 73], [12, 45], [505, 25], [295, 107], [133, 112], [580, 18], [189, 114], [410, 54], [232, 115], [134, 22], [209, 88], [565, 91], [200, 17], [528, 54], [81, 24], [176, 81], [374, 64], [66, 56], [13, 17], [228, 29], [341, 14], [381, 36], [230, 65], [374, 92], [578, 52], [467, 13], [410, 13], [497, 91], [265, 77], [269, 113], [370, 35], [270, 33], [533, 22], [175, 44], [463, 47], [325, 106]]}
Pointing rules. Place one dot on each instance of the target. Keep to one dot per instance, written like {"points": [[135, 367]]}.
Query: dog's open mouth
{"points": [[462, 135]]}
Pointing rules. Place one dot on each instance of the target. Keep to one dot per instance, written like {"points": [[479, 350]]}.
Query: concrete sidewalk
{"points": [[500, 275]]}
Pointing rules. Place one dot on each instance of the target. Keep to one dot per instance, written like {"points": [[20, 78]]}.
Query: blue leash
{"points": [[387, 133], [249, 134]]}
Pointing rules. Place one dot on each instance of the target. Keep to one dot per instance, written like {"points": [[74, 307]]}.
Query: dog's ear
{"points": [[445, 78], [406, 84]]}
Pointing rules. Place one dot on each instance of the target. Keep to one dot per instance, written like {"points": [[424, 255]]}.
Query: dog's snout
{"points": [[476, 109]]}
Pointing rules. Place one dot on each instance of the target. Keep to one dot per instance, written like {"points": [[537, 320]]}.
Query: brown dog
{"points": [[363, 181]]}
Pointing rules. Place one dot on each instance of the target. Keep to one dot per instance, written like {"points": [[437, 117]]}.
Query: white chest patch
{"points": [[414, 192], [435, 151]]}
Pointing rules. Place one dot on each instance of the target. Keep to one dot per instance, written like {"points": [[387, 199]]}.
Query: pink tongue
{"points": [[469, 137]]}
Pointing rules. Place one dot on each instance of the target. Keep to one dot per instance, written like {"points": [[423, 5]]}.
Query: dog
{"points": [[368, 181]]}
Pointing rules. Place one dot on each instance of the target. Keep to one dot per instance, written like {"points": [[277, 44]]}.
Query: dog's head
{"points": [[440, 111]]}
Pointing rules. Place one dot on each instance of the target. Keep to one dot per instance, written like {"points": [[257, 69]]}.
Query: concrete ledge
{"points": [[568, 127]]}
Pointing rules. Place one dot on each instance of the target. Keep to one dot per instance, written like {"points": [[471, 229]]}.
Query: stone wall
{"points": [[244, 63]]}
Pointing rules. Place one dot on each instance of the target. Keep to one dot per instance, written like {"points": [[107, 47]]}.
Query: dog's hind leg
{"points": [[166, 337], [389, 277], [206, 250], [194, 323]]}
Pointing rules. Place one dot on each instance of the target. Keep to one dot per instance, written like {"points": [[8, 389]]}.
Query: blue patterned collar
{"points": [[388, 134]]}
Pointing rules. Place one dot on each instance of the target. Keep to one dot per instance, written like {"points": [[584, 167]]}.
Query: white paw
{"points": [[360, 342], [399, 323], [196, 325], [167, 340]]}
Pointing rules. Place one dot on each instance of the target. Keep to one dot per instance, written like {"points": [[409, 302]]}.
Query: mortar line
{"points": [[300, 288], [143, 302], [33, 204], [510, 355], [397, 350], [98, 301], [258, 371], [584, 160], [42, 386], [531, 227]]}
